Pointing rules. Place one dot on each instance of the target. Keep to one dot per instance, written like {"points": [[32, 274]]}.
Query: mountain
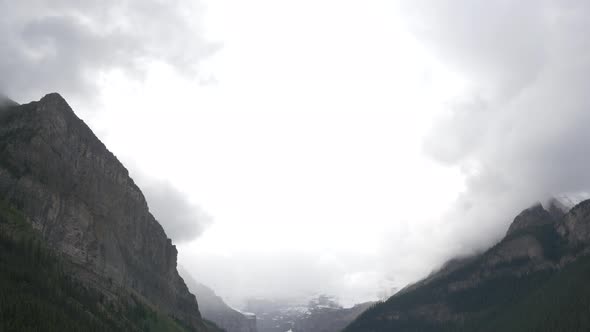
{"points": [[6, 102], [275, 315], [326, 318], [534, 279], [83, 210], [320, 314], [213, 308]]}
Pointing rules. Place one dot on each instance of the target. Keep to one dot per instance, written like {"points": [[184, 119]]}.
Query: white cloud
{"points": [[517, 132], [182, 219]]}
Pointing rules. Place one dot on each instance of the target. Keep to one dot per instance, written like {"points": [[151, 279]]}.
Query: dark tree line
{"points": [[541, 301]]}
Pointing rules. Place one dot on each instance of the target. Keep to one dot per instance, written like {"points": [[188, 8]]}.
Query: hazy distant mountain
{"points": [[325, 318], [535, 279], [80, 246], [320, 314], [213, 308], [275, 315]]}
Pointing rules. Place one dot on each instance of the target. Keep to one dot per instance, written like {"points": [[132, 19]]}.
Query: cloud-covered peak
{"points": [[518, 132]]}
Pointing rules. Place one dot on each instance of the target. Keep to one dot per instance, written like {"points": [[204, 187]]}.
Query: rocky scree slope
{"points": [[82, 202]]}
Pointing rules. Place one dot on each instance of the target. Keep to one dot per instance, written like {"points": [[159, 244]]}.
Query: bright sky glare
{"points": [[302, 137]]}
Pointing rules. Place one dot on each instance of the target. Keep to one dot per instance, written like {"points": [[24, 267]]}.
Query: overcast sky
{"points": [[299, 147]]}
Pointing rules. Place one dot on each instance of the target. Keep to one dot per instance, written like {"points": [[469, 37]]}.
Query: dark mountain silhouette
{"points": [[535, 279], [79, 206]]}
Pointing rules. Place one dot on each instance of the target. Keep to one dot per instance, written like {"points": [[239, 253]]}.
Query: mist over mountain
{"points": [[321, 313], [315, 166], [534, 279], [6, 102], [213, 308]]}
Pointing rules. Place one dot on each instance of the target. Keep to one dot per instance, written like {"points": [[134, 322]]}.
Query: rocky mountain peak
{"points": [[575, 226], [53, 97], [556, 208], [57, 117], [81, 200], [535, 215]]}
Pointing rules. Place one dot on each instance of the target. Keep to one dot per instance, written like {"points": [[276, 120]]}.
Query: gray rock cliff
{"points": [[81, 199]]}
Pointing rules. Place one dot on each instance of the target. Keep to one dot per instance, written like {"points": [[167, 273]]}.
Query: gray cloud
{"points": [[486, 40], [65, 45], [182, 220], [521, 134]]}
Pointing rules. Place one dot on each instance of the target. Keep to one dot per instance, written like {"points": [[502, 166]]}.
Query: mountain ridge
{"points": [[541, 247], [79, 197]]}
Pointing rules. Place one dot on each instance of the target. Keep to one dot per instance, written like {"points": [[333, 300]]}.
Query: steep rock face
{"points": [[575, 226], [533, 216], [83, 202], [543, 250], [213, 308]]}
